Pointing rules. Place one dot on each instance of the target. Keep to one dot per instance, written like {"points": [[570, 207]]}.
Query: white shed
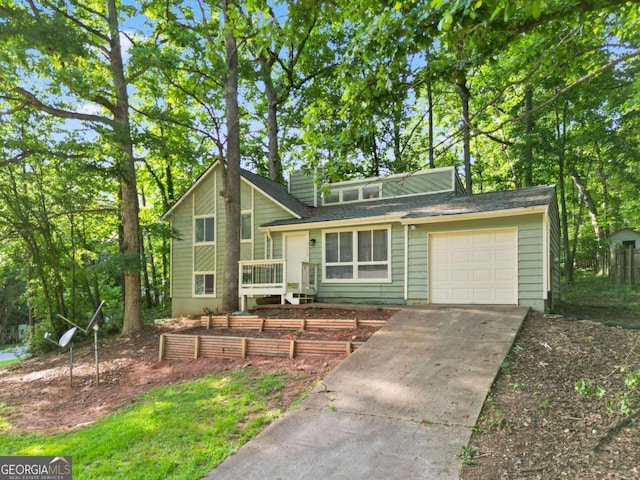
{"points": [[626, 237]]}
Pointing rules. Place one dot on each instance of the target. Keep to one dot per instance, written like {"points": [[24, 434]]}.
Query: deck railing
{"points": [[308, 277], [269, 277], [263, 277]]}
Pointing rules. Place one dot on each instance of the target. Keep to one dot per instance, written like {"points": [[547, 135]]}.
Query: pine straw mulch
{"points": [[535, 425]]}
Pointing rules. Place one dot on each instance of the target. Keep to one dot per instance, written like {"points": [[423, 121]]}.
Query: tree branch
{"points": [[82, 25], [561, 92], [29, 99]]}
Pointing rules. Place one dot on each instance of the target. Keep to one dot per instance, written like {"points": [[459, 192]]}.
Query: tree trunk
{"points": [[560, 137], [144, 260], [275, 163], [432, 163], [397, 138], [463, 92], [231, 170], [154, 272], [528, 132], [126, 167], [589, 202]]}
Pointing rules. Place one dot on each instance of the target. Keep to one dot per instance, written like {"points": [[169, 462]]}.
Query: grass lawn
{"points": [[177, 432], [5, 363], [598, 298], [590, 289], [12, 348]]}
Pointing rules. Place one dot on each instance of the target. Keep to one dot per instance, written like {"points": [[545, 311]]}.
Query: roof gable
{"points": [[278, 193], [624, 234]]}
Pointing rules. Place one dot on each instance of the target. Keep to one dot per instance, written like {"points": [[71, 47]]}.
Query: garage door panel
{"points": [[504, 274], [503, 238], [460, 295], [474, 267], [459, 242], [482, 295], [443, 293], [460, 276], [482, 275], [458, 257], [441, 277], [504, 296]]}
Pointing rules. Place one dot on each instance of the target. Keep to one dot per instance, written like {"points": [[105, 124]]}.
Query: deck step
{"points": [[299, 298]]}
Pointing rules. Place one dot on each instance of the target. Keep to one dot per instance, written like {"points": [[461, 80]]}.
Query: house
{"points": [[409, 239], [626, 238]]}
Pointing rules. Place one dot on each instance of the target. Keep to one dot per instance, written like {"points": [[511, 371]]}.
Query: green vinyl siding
{"points": [[419, 183], [531, 288], [182, 251], [204, 258], [417, 290], [265, 211], [384, 292], [246, 195], [187, 259], [303, 187], [204, 197], [530, 255], [246, 251]]}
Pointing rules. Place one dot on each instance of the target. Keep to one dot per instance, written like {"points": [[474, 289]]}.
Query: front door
{"points": [[296, 248]]}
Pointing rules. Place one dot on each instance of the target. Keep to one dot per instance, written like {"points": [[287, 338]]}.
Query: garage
{"points": [[475, 266]]}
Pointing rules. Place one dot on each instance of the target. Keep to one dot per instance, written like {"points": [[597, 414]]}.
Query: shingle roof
{"points": [[408, 207], [487, 202], [273, 189], [428, 205], [277, 191]]}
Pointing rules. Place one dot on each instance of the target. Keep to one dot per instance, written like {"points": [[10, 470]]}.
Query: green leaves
{"points": [[586, 388]]}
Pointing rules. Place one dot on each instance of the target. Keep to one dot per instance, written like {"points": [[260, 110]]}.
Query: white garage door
{"points": [[479, 266]]}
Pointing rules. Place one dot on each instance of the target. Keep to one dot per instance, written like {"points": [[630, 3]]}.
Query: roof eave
{"points": [[274, 200], [348, 222], [457, 217]]}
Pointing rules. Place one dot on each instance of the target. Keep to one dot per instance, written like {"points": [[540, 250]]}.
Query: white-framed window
{"points": [[353, 194], [362, 255], [246, 226], [204, 229], [204, 284]]}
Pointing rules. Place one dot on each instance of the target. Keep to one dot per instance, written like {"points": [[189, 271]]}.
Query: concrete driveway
{"points": [[399, 407]]}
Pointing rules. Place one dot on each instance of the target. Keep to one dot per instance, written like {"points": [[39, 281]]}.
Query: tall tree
{"points": [[232, 164], [290, 50], [74, 51]]}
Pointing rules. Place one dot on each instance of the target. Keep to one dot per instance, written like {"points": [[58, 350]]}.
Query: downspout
{"points": [[269, 247], [406, 263]]}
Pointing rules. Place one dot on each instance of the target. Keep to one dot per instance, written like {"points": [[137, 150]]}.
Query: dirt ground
{"points": [[36, 397], [534, 424]]}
